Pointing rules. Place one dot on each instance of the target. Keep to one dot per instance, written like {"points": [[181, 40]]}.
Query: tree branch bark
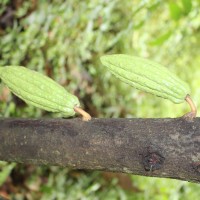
{"points": [[149, 147]]}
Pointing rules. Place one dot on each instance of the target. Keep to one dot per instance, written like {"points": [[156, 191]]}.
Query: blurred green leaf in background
{"points": [[64, 40]]}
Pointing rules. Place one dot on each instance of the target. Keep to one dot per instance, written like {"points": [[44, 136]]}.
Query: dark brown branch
{"points": [[149, 147]]}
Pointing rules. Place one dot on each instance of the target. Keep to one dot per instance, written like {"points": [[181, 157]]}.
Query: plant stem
{"points": [[192, 114], [85, 116]]}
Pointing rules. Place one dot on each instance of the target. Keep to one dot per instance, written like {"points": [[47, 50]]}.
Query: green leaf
{"points": [[187, 6], [5, 171], [175, 11], [161, 39]]}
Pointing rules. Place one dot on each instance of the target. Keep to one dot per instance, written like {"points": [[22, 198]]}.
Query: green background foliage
{"points": [[64, 40]]}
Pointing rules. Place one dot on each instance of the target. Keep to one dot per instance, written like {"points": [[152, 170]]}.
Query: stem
{"points": [[85, 116], [193, 108], [120, 145]]}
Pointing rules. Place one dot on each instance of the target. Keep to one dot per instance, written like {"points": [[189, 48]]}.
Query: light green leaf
{"points": [[187, 6], [161, 39], [175, 11]]}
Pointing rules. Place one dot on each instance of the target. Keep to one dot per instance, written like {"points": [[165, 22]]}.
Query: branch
{"points": [[148, 147]]}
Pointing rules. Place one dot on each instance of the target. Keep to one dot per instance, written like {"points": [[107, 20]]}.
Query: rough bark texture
{"points": [[149, 147]]}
